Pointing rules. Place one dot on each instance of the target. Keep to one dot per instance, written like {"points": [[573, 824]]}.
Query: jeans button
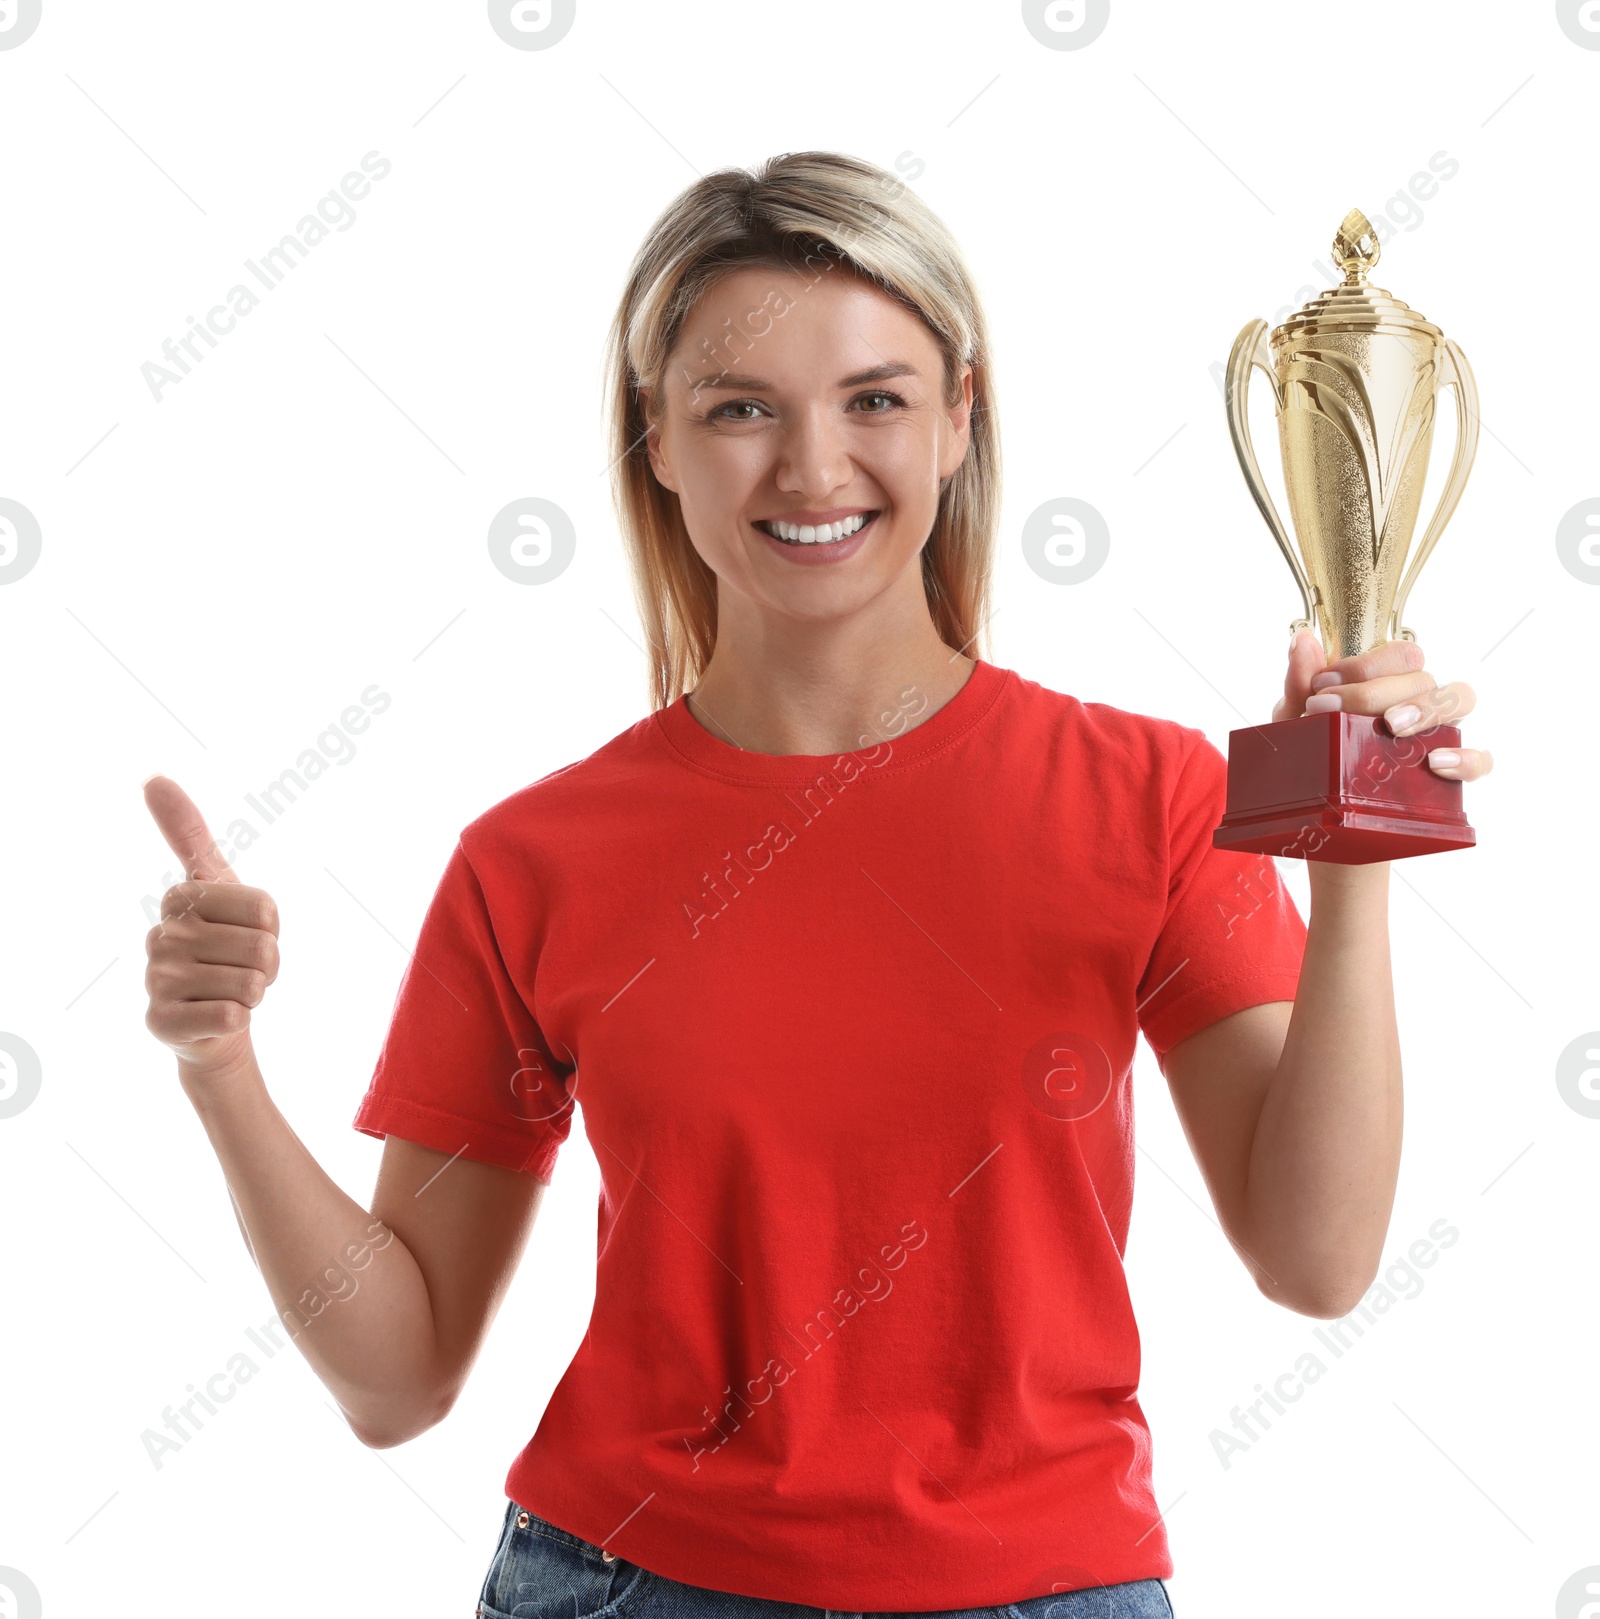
{"points": [[522, 1520], [608, 1557]]}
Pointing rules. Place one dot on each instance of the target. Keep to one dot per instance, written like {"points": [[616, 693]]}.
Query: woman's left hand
{"points": [[1389, 680]]}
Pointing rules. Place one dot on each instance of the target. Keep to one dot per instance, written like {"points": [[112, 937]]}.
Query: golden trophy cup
{"points": [[1356, 376]]}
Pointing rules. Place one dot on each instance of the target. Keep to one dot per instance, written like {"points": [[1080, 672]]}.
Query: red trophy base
{"points": [[1341, 788]]}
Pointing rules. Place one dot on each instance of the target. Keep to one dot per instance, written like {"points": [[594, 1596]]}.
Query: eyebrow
{"points": [[729, 380]]}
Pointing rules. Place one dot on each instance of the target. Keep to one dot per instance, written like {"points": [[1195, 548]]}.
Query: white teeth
{"points": [[806, 534]]}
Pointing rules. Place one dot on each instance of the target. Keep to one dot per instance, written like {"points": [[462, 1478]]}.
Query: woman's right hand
{"points": [[214, 951]]}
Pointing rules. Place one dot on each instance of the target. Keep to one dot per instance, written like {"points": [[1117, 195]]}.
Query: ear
{"points": [[652, 444], [959, 417]]}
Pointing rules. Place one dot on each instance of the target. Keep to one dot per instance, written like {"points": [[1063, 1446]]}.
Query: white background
{"points": [[304, 516]]}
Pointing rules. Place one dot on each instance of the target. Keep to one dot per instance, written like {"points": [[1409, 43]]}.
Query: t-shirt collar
{"points": [[893, 748]]}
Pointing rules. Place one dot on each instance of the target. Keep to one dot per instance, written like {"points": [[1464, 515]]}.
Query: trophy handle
{"points": [[1453, 371], [1251, 348]]}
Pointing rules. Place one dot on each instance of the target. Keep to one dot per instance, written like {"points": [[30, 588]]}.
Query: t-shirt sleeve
{"points": [[464, 1068], [1232, 935]]}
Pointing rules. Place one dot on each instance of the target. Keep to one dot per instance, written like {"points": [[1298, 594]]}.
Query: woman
{"points": [[850, 942]]}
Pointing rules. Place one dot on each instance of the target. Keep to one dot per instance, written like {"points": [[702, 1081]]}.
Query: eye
{"points": [[733, 404], [880, 393]]}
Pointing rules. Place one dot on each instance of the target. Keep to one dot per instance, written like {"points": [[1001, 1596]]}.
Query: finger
{"points": [[1447, 705], [186, 832], [1469, 763], [1406, 713], [221, 944], [1375, 696], [1387, 658], [1306, 660], [184, 1022], [201, 982], [233, 902]]}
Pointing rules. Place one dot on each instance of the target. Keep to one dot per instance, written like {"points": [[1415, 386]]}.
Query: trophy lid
{"points": [[1354, 305]]}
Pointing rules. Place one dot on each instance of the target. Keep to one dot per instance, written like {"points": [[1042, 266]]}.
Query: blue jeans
{"points": [[542, 1572]]}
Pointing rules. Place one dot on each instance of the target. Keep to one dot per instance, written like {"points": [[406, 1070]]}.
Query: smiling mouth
{"points": [[823, 534]]}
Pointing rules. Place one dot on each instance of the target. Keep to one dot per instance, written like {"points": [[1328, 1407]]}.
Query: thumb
{"points": [[1306, 661], [186, 832]]}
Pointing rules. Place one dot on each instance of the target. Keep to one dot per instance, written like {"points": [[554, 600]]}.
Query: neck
{"points": [[780, 686]]}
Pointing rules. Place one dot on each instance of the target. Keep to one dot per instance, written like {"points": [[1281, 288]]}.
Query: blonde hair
{"points": [[805, 211]]}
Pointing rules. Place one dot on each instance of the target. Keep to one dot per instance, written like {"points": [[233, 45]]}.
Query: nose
{"points": [[814, 457]]}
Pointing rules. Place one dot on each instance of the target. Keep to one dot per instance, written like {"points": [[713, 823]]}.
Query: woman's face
{"points": [[807, 402]]}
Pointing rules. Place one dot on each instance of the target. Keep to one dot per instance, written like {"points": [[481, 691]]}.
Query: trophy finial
{"points": [[1349, 253]]}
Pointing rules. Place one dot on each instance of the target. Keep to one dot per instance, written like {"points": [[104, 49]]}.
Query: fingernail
{"points": [[1323, 702], [1444, 757], [1328, 677], [1400, 718]]}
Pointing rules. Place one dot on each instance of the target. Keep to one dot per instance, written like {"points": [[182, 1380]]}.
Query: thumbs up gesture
{"points": [[215, 949]]}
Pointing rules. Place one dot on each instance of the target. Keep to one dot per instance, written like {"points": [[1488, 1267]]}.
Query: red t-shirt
{"points": [[853, 1038]]}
